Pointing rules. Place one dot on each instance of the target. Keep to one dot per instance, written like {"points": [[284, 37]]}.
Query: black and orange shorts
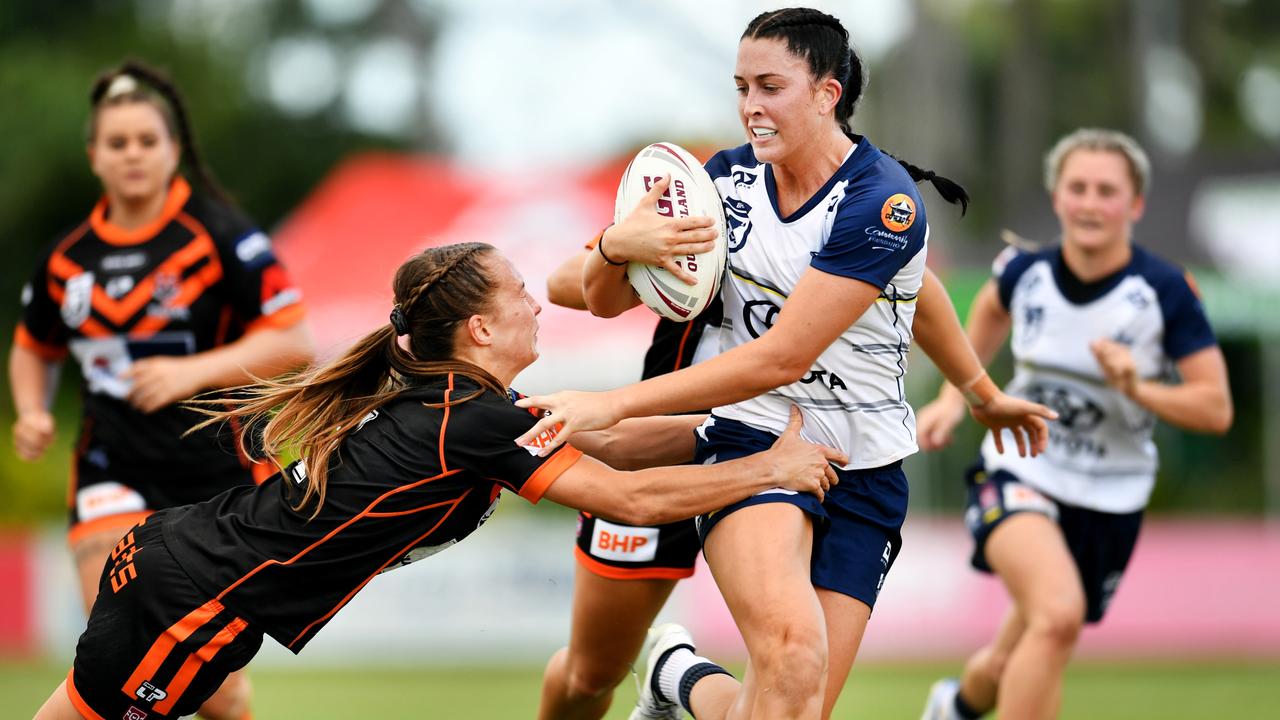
{"points": [[634, 552], [155, 646]]}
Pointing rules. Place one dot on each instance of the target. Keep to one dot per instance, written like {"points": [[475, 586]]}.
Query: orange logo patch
{"points": [[898, 212]]}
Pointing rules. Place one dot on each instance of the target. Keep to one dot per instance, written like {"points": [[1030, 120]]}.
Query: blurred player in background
{"points": [[163, 292], [625, 573], [406, 445], [1097, 323], [827, 254]]}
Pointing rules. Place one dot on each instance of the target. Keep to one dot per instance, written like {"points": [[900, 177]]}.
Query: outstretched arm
{"points": [[961, 360], [638, 443], [667, 494]]}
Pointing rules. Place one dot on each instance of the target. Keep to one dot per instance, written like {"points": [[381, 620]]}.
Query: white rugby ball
{"points": [[690, 192]]}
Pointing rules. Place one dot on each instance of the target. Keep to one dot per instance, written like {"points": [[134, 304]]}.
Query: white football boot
{"points": [[658, 641], [941, 704]]}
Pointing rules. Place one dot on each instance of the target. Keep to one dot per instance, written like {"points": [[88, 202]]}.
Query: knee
{"points": [[230, 701], [794, 654], [592, 679], [1059, 622]]}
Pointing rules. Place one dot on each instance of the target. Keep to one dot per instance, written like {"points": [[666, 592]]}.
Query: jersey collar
{"points": [[179, 193], [862, 154]]}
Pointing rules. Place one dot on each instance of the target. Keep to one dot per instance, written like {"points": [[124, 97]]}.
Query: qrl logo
{"points": [[675, 197], [150, 693]]}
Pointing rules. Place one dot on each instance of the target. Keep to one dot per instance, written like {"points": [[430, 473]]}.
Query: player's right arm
{"points": [[643, 236], [666, 494], [31, 378]]}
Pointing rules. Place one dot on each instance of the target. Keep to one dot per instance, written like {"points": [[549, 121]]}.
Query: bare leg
{"points": [[610, 618], [760, 557], [980, 682], [846, 620], [58, 706], [1030, 555]]}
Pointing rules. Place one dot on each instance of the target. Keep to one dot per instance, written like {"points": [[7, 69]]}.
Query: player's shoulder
{"points": [[1158, 271], [225, 223], [877, 183], [1013, 260], [730, 162]]}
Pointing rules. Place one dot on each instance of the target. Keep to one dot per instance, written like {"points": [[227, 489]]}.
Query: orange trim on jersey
{"points": [[63, 267], [332, 533], [47, 352], [179, 193], [394, 558], [285, 317], [120, 311], [262, 470], [123, 521], [537, 484], [445, 422], [596, 567], [688, 328], [93, 328], [78, 702], [168, 640], [182, 680]]}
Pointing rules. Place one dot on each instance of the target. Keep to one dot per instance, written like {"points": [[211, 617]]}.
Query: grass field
{"points": [[1097, 691]]}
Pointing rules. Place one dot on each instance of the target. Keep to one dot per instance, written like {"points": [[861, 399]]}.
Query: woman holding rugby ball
{"points": [[827, 248]]}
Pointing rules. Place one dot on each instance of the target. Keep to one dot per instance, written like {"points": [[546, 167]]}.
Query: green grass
{"points": [[1097, 691]]}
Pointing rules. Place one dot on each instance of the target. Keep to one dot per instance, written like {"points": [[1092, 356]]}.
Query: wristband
{"points": [[600, 249], [974, 390]]}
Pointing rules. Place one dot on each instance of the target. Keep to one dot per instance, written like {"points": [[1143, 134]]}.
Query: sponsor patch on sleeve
{"points": [[898, 212]]}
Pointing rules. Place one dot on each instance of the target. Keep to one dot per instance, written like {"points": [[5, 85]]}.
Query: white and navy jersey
{"points": [[868, 223], [1100, 452]]}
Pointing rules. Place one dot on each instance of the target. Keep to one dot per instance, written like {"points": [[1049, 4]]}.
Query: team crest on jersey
{"points": [[77, 301], [164, 298], [737, 217], [898, 212], [742, 178]]}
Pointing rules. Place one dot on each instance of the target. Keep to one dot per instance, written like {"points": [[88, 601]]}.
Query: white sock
{"points": [[673, 670]]}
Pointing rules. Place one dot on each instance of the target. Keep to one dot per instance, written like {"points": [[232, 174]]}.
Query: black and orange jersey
{"points": [[197, 277], [410, 481], [675, 344]]}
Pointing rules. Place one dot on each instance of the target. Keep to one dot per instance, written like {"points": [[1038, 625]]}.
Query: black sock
{"points": [[965, 710], [691, 678]]}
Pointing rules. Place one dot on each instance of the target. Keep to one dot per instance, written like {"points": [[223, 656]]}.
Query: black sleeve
{"points": [[479, 436]]}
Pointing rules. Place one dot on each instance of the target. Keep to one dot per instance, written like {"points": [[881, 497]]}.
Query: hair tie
{"points": [[122, 84], [398, 321]]}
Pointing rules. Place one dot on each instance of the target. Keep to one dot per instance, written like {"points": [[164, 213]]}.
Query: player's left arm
{"points": [[638, 443], [1200, 403], [564, 284]]}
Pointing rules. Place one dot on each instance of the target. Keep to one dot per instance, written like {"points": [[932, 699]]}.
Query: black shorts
{"points": [[634, 552], [105, 492], [155, 646], [1100, 543]]}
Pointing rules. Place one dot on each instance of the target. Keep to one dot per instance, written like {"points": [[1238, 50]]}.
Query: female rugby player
{"points": [[826, 262], [1096, 324], [405, 451], [165, 291]]}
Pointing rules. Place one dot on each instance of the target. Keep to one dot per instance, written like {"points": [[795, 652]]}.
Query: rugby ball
{"points": [[690, 192]]}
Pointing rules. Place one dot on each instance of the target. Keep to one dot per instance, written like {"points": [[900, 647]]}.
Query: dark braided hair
{"points": [[822, 41], [154, 86]]}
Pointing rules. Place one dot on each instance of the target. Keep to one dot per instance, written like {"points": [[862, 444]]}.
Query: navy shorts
{"points": [[1100, 543], [857, 529], [155, 646], [637, 552]]}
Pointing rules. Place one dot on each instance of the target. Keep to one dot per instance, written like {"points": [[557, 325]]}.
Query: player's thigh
{"points": [[91, 549], [1030, 554], [760, 558], [610, 617]]}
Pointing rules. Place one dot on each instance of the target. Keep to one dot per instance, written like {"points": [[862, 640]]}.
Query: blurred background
{"points": [[359, 131]]}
